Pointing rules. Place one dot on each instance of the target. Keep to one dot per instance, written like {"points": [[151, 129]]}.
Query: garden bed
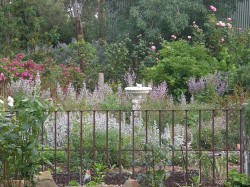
{"points": [[174, 180]]}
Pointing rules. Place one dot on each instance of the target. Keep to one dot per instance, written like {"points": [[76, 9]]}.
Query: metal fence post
{"points": [[246, 139]]}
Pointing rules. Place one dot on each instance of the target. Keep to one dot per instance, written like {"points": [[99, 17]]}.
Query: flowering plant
{"points": [[18, 69], [227, 42], [64, 75]]}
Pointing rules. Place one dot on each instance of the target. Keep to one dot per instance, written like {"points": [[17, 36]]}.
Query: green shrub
{"points": [[206, 138], [100, 149], [237, 179], [179, 61]]}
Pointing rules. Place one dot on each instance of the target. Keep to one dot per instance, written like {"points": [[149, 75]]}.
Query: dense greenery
{"points": [[180, 61], [19, 136], [189, 52]]}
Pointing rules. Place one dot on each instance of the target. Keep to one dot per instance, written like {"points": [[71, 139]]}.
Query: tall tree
{"points": [[160, 18], [25, 24]]}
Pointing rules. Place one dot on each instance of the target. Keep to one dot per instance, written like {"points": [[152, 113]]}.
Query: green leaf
{"points": [[26, 126], [19, 151]]}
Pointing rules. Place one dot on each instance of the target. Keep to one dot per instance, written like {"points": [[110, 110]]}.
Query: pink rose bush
{"points": [[18, 69], [53, 75]]}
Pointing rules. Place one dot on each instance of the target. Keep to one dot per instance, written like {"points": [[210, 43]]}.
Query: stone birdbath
{"points": [[136, 93]]}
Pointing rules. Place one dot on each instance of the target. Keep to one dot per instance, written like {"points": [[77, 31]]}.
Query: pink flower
{"points": [[153, 48], [229, 19], [189, 37], [5, 59], [2, 77], [25, 74], [222, 40], [214, 9], [221, 24]]}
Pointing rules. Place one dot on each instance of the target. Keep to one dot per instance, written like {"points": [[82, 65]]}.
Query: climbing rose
{"points": [[153, 48], [214, 9]]}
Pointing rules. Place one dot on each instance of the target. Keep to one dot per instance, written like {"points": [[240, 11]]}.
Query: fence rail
{"points": [[186, 143]]}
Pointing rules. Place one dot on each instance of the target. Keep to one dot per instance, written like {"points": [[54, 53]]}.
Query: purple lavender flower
{"points": [[196, 86], [130, 77], [191, 85], [160, 91], [221, 85], [201, 84]]}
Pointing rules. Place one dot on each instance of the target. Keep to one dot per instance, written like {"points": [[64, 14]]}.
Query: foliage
{"points": [[64, 75], [206, 138], [27, 24], [48, 155], [116, 63], [98, 178], [146, 18], [229, 45], [156, 158], [242, 76], [85, 55], [126, 55], [73, 183], [237, 179], [223, 8], [19, 137], [100, 148], [209, 88], [180, 61], [114, 102], [18, 69]]}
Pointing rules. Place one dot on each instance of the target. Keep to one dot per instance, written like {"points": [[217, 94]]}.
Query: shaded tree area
{"points": [[25, 24]]}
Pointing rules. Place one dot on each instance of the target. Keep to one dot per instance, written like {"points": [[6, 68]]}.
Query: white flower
{"points": [[10, 101], [229, 25]]}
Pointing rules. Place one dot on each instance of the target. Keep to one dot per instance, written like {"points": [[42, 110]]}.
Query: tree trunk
{"points": [[101, 14]]}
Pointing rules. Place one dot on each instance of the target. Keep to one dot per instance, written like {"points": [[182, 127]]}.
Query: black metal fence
{"points": [[184, 143]]}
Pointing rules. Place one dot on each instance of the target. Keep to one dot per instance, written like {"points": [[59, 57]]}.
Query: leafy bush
{"points": [[180, 61], [237, 179], [19, 137], [100, 149], [206, 139], [155, 157], [64, 75], [242, 76]]}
